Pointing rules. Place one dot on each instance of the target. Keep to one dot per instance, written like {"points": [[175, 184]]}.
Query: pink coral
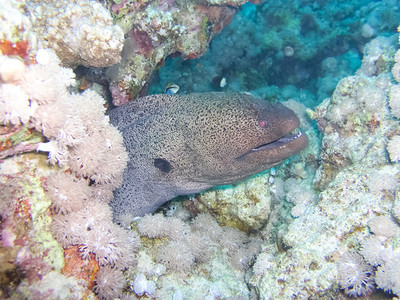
{"points": [[232, 239], [120, 95], [88, 157], [176, 256], [157, 226], [66, 230], [371, 248], [16, 111], [110, 244], [388, 275], [153, 226], [109, 283], [101, 193], [116, 159], [200, 246], [207, 224], [91, 228], [67, 193], [355, 276], [72, 228], [383, 226]]}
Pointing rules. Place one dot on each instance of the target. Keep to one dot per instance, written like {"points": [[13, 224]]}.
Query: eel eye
{"points": [[163, 164], [262, 123]]}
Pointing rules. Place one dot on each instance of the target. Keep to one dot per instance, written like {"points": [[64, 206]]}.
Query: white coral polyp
{"points": [[394, 100], [355, 276], [393, 147], [14, 105], [56, 153], [40, 84], [383, 226], [11, 69], [388, 275]]}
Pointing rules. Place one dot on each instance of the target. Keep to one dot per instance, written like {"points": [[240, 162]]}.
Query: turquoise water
{"points": [[281, 50]]}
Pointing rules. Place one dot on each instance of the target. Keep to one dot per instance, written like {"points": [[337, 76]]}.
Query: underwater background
{"points": [[323, 224]]}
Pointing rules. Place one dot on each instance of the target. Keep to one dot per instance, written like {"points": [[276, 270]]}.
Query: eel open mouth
{"points": [[294, 135]]}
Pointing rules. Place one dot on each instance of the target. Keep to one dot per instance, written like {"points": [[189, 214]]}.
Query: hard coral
{"points": [[157, 29], [80, 32], [77, 267]]}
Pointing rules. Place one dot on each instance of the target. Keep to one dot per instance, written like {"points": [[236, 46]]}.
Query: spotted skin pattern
{"points": [[185, 144]]}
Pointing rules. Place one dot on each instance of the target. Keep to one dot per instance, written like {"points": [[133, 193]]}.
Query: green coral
{"points": [[41, 220], [245, 206]]}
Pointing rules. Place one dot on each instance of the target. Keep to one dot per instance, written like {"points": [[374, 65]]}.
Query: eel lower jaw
{"points": [[290, 137]]}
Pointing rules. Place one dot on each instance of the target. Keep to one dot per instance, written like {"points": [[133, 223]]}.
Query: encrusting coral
{"points": [[156, 29], [80, 32]]}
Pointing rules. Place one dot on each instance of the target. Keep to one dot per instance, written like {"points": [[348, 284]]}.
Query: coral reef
{"points": [[245, 206], [357, 184], [80, 32], [55, 217], [211, 259], [324, 224], [157, 29]]}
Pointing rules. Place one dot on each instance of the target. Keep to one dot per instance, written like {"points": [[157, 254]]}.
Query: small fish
{"points": [[171, 89], [223, 82]]}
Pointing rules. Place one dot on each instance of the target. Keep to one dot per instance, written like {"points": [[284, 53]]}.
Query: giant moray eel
{"points": [[184, 144]]}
